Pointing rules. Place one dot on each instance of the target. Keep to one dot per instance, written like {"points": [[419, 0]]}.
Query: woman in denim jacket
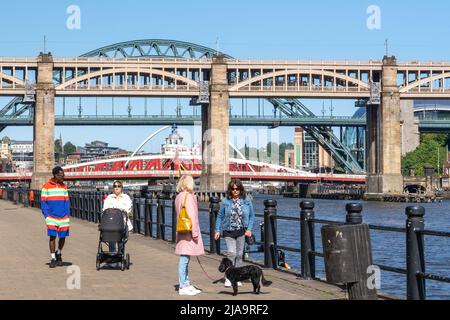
{"points": [[235, 219]]}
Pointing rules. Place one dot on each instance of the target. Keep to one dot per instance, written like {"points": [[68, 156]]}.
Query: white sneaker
{"points": [[194, 289], [186, 292]]}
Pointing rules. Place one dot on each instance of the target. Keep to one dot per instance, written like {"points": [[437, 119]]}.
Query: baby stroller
{"points": [[113, 229]]}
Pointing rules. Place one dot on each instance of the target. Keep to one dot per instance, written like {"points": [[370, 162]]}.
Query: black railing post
{"points": [[159, 215], [147, 225], [354, 215], [163, 216], [141, 214], [214, 206], [94, 207], [99, 206], [39, 203], [150, 214], [77, 204], [16, 197], [308, 261], [415, 260], [86, 206], [25, 198], [135, 213], [91, 206], [82, 205], [270, 212], [174, 219], [71, 206]]}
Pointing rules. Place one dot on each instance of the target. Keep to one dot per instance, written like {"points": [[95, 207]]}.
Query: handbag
{"points": [[184, 223], [250, 240], [129, 225]]}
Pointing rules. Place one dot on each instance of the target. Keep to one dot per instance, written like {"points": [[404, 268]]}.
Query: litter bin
{"points": [[348, 256]]}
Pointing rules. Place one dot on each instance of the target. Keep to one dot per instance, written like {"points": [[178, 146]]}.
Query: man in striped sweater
{"points": [[56, 209]]}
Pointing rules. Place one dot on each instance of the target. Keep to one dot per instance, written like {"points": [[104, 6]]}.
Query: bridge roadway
{"points": [[174, 77], [152, 276], [429, 125]]}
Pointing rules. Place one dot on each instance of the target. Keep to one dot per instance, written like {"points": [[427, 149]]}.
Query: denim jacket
{"points": [[223, 220]]}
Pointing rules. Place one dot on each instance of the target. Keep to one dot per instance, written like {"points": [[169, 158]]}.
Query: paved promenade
{"points": [[153, 274]]}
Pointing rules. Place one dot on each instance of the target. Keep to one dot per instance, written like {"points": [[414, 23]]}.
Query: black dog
{"points": [[243, 273]]}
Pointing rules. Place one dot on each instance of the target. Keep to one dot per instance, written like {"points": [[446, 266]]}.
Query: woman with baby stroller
{"points": [[114, 229]]}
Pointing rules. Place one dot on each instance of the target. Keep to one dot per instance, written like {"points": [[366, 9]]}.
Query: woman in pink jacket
{"points": [[188, 243]]}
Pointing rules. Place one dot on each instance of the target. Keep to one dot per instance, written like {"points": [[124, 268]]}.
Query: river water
{"points": [[388, 247]]}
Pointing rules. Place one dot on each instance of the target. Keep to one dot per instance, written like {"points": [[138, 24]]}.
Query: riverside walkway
{"points": [[152, 275]]}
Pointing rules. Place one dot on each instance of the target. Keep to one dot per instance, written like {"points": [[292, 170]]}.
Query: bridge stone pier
{"points": [[384, 141], [44, 122], [215, 130]]}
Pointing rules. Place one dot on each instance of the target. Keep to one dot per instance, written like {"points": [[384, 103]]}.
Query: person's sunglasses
{"points": [[117, 186], [234, 189]]}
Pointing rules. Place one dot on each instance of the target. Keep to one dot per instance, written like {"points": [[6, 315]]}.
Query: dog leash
{"points": [[204, 271]]}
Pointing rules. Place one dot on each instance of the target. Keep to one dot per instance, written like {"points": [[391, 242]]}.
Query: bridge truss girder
{"points": [[324, 136], [14, 109]]}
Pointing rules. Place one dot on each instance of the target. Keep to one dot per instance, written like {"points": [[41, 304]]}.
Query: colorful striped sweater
{"points": [[55, 200]]}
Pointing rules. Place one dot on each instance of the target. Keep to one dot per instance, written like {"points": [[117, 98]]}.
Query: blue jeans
{"points": [[235, 249], [183, 276]]}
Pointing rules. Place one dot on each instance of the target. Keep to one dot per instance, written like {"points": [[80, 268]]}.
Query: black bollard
{"points": [[214, 206], [354, 215], [348, 254], [270, 212], [307, 233], [415, 259], [359, 290]]}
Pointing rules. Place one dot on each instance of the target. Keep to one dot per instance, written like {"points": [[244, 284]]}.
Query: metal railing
{"points": [[150, 212], [415, 248]]}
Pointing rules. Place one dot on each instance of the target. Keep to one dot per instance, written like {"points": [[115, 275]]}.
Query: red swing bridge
{"points": [[165, 166]]}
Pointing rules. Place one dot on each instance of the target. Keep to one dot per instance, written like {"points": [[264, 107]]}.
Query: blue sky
{"points": [[246, 29]]}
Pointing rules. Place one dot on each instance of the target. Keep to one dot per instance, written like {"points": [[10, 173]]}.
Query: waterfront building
{"points": [[22, 154], [174, 146], [307, 154]]}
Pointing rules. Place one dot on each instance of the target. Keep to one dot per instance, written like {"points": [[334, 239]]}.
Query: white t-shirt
{"points": [[122, 202]]}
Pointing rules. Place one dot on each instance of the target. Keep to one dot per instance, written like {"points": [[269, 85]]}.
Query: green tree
{"points": [[431, 150], [69, 148]]}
